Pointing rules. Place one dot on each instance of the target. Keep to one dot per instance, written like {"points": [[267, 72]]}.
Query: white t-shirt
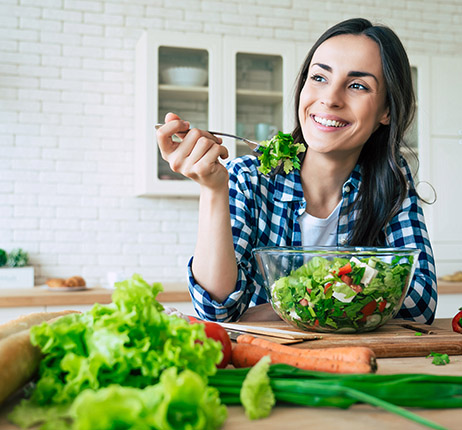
{"points": [[319, 231]]}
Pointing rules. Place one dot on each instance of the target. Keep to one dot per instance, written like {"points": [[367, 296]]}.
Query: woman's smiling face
{"points": [[343, 100]]}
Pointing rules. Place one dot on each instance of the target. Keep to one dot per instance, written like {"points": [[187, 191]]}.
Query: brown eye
{"points": [[317, 78], [357, 86]]}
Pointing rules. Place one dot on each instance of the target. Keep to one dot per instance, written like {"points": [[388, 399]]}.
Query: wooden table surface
{"points": [[358, 417]]}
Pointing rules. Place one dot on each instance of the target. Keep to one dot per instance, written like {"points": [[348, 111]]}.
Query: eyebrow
{"points": [[353, 73]]}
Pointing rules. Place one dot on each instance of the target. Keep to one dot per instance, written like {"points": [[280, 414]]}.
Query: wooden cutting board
{"points": [[395, 339]]}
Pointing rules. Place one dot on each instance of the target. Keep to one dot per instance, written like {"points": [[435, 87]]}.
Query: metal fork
{"points": [[250, 143], [254, 146]]}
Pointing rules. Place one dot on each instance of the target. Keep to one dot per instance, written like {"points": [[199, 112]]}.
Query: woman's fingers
{"points": [[165, 135], [196, 156], [196, 150], [203, 160], [171, 117]]}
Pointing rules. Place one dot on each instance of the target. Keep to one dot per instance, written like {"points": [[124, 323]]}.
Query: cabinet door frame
{"points": [[147, 106]]}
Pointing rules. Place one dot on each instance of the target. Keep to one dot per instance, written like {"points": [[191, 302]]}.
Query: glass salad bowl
{"points": [[331, 289]]}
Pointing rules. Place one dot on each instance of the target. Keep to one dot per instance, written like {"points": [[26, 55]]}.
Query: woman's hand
{"points": [[197, 156]]}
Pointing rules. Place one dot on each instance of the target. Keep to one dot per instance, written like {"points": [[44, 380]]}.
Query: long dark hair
{"points": [[384, 185]]}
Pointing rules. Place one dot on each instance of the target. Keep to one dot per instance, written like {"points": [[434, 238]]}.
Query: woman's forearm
{"points": [[214, 265]]}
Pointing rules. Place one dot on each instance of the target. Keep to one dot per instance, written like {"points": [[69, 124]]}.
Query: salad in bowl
{"points": [[331, 289]]}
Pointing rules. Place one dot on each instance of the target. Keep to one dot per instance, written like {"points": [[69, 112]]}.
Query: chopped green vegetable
{"points": [[280, 149], [320, 294], [256, 394], [417, 333], [439, 359]]}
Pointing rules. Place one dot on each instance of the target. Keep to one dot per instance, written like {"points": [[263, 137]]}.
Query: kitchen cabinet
{"points": [[156, 53], [248, 83], [445, 157], [446, 93], [436, 137]]}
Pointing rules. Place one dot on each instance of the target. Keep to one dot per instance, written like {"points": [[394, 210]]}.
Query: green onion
{"points": [[389, 392]]}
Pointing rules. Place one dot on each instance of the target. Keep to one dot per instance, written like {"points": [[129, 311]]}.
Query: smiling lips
{"points": [[330, 123]]}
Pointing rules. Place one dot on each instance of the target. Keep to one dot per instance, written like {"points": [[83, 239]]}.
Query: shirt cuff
{"points": [[230, 309]]}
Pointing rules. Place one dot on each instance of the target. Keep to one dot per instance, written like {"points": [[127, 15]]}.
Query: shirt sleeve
{"points": [[244, 218], [407, 228]]}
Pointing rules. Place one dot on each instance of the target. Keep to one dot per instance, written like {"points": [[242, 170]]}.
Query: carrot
{"points": [[246, 355], [348, 354]]}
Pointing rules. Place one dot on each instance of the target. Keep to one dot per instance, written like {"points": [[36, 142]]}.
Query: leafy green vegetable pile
{"points": [[340, 294], [288, 384], [128, 361], [280, 149], [3, 257], [15, 258]]}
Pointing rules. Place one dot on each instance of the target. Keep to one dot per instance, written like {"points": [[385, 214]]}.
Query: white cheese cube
{"points": [[369, 274]]}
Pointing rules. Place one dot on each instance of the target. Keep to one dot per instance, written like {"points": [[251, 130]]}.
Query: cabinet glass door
{"points": [[259, 97], [411, 138]]}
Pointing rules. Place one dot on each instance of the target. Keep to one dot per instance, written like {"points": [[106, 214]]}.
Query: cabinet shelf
{"points": [[259, 96], [176, 92]]}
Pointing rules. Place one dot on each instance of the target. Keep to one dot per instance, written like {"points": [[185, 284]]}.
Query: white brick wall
{"points": [[67, 119]]}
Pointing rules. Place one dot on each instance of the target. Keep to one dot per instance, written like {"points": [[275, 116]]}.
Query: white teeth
{"points": [[329, 122]]}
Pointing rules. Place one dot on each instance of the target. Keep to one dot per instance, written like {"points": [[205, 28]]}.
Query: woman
{"points": [[354, 101]]}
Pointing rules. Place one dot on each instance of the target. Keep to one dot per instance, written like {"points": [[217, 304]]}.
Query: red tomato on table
{"points": [[457, 322], [217, 332]]}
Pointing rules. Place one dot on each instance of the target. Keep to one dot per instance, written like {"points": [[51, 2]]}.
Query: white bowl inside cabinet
{"points": [[184, 76]]}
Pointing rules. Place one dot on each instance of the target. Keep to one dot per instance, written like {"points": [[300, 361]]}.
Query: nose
{"points": [[332, 96]]}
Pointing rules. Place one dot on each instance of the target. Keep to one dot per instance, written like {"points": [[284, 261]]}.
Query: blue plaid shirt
{"points": [[264, 212]]}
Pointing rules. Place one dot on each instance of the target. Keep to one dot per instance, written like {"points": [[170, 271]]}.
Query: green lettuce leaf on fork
{"points": [[280, 149]]}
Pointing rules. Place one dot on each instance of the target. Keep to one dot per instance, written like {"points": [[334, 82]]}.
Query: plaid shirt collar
{"points": [[288, 188]]}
